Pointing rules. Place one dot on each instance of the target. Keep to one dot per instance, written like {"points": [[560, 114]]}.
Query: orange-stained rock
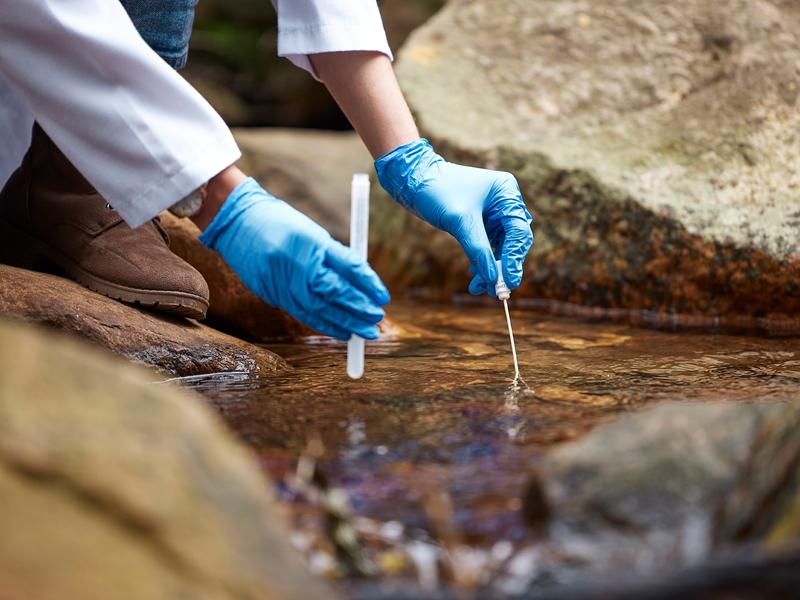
{"points": [[172, 345]]}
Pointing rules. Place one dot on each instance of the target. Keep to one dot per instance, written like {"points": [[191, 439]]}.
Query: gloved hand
{"points": [[290, 262], [482, 209]]}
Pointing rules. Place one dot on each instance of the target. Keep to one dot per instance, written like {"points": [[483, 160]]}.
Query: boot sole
{"points": [[182, 304]]}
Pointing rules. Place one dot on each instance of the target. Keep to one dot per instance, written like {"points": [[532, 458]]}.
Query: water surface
{"points": [[432, 440]]}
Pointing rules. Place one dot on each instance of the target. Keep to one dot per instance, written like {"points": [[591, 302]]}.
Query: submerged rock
{"points": [[652, 492], [116, 488], [172, 345], [656, 144]]}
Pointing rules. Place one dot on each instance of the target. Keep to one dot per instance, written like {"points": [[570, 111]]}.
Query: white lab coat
{"points": [[135, 129]]}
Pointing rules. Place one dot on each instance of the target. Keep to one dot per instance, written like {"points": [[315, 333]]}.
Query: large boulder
{"points": [[171, 345], [655, 142], [117, 488], [665, 488]]}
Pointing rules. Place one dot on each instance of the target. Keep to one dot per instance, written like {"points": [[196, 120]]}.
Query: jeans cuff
{"points": [[176, 62]]}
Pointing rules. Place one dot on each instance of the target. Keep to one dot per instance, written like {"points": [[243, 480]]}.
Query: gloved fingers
{"points": [[322, 326], [332, 317], [498, 239], [477, 286], [471, 234], [329, 285], [346, 263], [505, 203], [518, 241], [507, 198]]}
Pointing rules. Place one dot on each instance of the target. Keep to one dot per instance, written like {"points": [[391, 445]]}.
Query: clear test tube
{"points": [[359, 234]]}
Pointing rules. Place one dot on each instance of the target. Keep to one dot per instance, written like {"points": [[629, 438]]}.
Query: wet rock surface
{"points": [[116, 488], [171, 345], [656, 145]]}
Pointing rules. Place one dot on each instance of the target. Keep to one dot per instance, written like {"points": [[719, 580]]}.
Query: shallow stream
{"points": [[433, 447]]}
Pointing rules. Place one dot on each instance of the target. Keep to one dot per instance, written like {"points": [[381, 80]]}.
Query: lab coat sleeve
{"points": [[141, 135], [313, 26], [15, 131]]}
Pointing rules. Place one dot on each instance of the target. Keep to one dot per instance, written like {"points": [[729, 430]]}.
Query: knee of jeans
{"points": [[166, 26]]}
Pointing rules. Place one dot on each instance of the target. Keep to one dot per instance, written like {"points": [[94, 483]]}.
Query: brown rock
{"points": [[175, 346], [116, 488], [656, 144]]}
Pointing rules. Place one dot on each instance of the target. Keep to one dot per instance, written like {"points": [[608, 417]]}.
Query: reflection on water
{"points": [[436, 412], [518, 388]]}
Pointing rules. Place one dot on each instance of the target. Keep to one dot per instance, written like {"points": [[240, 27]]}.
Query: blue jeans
{"points": [[166, 25]]}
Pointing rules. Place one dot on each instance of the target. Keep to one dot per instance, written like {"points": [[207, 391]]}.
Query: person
{"points": [[119, 137]]}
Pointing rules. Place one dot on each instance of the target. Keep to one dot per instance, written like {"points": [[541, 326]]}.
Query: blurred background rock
{"points": [[234, 64]]}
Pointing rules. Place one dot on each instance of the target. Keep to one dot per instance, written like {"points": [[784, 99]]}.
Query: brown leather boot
{"points": [[48, 210]]}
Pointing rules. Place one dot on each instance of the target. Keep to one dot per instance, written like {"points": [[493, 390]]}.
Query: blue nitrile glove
{"points": [[290, 262], [482, 209]]}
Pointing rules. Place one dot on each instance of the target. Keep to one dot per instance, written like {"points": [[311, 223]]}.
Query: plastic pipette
{"points": [[359, 232], [503, 293]]}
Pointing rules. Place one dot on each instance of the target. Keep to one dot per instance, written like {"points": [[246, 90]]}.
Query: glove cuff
{"points": [[229, 211], [398, 171]]}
